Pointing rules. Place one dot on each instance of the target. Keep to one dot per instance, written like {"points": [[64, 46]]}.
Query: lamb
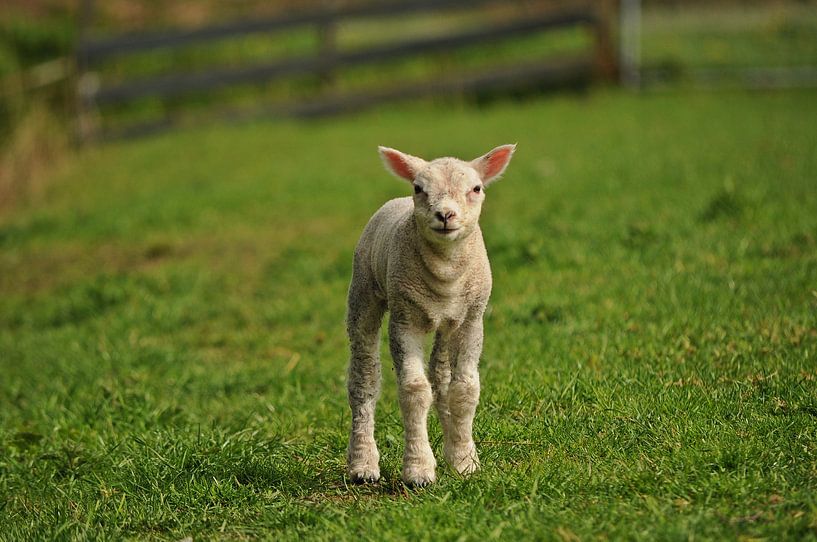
{"points": [[423, 260]]}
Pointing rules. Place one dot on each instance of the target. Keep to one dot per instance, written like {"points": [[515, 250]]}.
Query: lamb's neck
{"points": [[446, 262]]}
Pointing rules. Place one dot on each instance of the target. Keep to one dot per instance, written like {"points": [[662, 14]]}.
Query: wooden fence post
{"points": [[606, 58], [327, 47]]}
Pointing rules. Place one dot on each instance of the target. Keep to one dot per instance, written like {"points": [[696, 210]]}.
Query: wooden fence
{"points": [[596, 16]]}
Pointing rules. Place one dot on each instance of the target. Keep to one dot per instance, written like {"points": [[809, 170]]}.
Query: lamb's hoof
{"points": [[364, 476], [363, 464], [419, 476], [465, 462], [467, 467]]}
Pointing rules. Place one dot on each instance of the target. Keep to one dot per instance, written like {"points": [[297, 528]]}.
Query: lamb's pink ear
{"points": [[401, 164], [490, 166]]}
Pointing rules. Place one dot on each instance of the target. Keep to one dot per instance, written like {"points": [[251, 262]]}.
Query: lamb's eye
{"points": [[477, 189], [418, 189]]}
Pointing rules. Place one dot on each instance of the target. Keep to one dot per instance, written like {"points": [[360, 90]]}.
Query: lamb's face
{"points": [[448, 196], [448, 192]]}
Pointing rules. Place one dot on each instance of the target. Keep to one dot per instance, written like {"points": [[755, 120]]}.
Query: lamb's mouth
{"points": [[445, 231]]}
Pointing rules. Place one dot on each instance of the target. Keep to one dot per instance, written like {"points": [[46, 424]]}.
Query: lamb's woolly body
{"points": [[427, 284], [432, 286]]}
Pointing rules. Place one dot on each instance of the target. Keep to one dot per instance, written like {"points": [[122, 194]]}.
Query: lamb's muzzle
{"points": [[423, 260]]}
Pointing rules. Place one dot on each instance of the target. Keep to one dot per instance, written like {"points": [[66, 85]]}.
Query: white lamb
{"points": [[423, 260]]}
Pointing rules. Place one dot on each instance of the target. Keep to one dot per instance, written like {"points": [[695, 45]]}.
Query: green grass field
{"points": [[173, 352]]}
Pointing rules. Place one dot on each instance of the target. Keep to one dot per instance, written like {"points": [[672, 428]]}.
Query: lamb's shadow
{"points": [[299, 478]]}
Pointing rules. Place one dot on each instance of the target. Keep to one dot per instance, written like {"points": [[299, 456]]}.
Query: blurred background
{"points": [[79, 71]]}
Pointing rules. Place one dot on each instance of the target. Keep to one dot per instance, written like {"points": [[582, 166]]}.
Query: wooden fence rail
{"points": [[97, 49], [596, 16]]}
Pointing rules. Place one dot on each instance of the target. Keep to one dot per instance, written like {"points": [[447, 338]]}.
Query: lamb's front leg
{"points": [[463, 396], [414, 390]]}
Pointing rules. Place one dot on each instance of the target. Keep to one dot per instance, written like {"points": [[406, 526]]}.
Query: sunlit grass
{"points": [[173, 352]]}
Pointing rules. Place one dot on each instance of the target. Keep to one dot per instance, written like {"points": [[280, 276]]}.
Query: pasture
{"points": [[173, 351]]}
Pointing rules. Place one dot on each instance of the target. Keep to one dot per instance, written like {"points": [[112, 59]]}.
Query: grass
{"points": [[775, 34], [173, 353]]}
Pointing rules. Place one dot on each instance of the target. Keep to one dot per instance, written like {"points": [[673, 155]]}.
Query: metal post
{"points": [[630, 49]]}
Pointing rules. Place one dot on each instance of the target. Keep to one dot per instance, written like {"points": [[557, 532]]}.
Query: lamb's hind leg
{"points": [[363, 385]]}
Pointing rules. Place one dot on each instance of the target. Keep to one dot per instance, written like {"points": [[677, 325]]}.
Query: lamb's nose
{"points": [[445, 217]]}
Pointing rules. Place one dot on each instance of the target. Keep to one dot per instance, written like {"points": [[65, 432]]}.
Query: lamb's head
{"points": [[448, 192]]}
